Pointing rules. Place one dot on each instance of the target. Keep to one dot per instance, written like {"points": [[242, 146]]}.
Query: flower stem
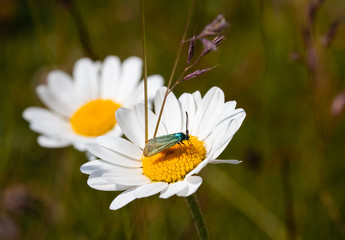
{"points": [[144, 66], [197, 216]]}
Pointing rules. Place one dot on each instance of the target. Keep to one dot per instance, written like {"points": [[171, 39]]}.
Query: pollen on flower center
{"points": [[173, 164], [95, 118]]}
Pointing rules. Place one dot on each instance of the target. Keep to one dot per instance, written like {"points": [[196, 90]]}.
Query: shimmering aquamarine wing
{"points": [[158, 144]]}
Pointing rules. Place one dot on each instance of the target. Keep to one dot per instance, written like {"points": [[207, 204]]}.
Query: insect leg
{"points": [[184, 146], [166, 154]]}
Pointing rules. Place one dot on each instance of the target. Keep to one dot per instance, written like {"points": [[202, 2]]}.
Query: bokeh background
{"points": [[283, 62]]}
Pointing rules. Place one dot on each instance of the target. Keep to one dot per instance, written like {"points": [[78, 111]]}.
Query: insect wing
{"points": [[158, 144]]}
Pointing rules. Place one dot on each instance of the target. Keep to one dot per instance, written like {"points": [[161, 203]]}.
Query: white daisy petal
{"points": [[197, 98], [111, 156], [127, 120], [34, 114], [187, 104], [213, 122], [44, 121], [218, 134], [80, 146], [121, 146], [229, 108], [122, 199], [152, 121], [96, 166], [173, 189], [90, 157], [61, 86], [110, 78], [208, 112], [93, 86], [218, 161], [150, 189], [86, 80], [127, 179], [130, 76], [154, 82], [200, 166], [45, 141], [172, 115], [194, 183], [99, 183], [226, 128], [234, 125], [51, 101]]}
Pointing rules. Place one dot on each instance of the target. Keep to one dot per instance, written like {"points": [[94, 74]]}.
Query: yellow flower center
{"points": [[173, 164], [95, 118]]}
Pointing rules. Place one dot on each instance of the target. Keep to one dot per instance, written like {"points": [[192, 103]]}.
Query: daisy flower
{"points": [[83, 107], [121, 165]]}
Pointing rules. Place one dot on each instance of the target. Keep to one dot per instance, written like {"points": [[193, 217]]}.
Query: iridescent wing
{"points": [[158, 144]]}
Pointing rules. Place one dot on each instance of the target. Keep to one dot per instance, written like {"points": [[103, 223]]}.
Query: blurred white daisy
{"points": [[122, 166], [83, 107]]}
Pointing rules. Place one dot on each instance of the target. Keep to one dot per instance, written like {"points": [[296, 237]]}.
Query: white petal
{"points": [[86, 73], [99, 165], [80, 146], [111, 156], [45, 122], [208, 113], [187, 104], [130, 76], [197, 98], [229, 133], [121, 146], [150, 189], [51, 101], [194, 183], [37, 114], [129, 124], [218, 161], [116, 131], [173, 189], [172, 115], [152, 121], [62, 87], [50, 142], [110, 78], [126, 179], [200, 166], [229, 108], [123, 199], [219, 134], [100, 183], [154, 82], [90, 156]]}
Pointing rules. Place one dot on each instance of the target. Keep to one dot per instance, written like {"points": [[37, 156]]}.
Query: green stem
{"points": [[175, 64], [82, 31], [197, 216], [144, 67]]}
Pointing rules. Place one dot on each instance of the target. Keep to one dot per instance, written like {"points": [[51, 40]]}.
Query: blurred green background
{"points": [[275, 63]]}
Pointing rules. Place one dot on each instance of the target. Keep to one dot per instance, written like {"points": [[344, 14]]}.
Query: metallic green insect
{"points": [[159, 144]]}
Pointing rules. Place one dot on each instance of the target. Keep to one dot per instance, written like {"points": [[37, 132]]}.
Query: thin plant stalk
{"points": [[175, 64], [82, 31], [198, 218], [144, 67]]}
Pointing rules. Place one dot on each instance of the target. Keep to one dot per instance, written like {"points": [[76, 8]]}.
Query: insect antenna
{"points": [[187, 131]]}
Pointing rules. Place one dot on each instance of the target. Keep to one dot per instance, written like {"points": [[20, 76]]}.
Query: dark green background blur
{"points": [[291, 182]]}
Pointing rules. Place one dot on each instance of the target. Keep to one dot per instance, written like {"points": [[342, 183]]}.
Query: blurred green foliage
{"points": [[290, 183]]}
